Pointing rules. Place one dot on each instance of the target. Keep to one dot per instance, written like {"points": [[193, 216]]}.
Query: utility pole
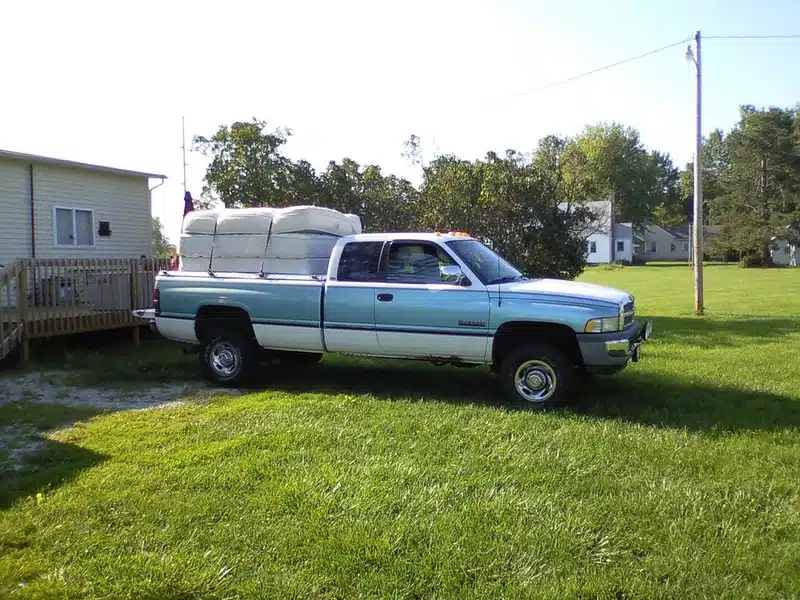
{"points": [[697, 238]]}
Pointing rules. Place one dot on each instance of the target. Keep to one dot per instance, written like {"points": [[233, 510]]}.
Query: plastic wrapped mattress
{"points": [[294, 240]]}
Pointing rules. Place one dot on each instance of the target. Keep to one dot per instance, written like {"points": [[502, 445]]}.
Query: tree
{"points": [[162, 248], [640, 180], [759, 182], [247, 168], [509, 203]]}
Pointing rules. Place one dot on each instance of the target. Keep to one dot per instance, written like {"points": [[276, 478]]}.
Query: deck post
{"points": [[134, 264], [22, 307]]}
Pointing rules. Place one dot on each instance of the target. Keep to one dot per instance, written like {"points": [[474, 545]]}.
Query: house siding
{"points": [[122, 200], [15, 227], [603, 241], [663, 241], [783, 253]]}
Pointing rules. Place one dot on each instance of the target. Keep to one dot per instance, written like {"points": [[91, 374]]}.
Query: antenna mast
{"points": [[183, 148]]}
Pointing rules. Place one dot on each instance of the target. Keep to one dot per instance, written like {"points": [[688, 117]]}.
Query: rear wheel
{"points": [[538, 375], [228, 357]]}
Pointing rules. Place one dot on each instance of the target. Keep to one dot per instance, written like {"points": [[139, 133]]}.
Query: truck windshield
{"points": [[484, 262]]}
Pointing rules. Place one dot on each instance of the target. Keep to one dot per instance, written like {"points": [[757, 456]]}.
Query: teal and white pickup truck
{"points": [[444, 298]]}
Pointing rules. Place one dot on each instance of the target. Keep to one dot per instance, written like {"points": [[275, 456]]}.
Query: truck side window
{"points": [[359, 261], [416, 262]]}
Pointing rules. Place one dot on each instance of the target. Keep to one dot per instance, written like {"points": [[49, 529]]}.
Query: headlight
{"points": [[603, 325]]}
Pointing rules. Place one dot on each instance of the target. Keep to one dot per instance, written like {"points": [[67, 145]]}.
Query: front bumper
{"points": [[608, 353]]}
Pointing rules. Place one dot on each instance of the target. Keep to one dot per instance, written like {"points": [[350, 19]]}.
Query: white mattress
{"points": [[315, 219], [246, 220], [200, 221], [294, 240]]}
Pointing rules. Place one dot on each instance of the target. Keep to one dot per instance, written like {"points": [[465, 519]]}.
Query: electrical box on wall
{"points": [[104, 229]]}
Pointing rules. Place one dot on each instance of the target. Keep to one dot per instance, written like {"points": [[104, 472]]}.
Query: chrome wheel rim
{"points": [[224, 359], [535, 380]]}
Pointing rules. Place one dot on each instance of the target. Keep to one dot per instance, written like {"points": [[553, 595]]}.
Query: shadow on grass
{"points": [[106, 357], [52, 465], [633, 396], [657, 401], [47, 463], [704, 332]]}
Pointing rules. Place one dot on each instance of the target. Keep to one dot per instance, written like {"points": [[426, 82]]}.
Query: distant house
{"points": [[784, 253], [606, 240], [54, 208], [668, 243]]}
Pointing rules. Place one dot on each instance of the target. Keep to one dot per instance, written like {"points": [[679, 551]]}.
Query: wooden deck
{"points": [[46, 298]]}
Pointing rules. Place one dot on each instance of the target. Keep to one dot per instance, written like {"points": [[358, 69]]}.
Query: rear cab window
{"points": [[359, 261]]}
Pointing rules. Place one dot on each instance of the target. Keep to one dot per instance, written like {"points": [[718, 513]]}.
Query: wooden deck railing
{"points": [[51, 297], [10, 329]]}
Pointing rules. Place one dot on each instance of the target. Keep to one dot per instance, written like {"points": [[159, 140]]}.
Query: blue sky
{"points": [[93, 82]]}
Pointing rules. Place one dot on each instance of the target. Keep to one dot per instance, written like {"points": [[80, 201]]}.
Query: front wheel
{"points": [[538, 375], [228, 357]]}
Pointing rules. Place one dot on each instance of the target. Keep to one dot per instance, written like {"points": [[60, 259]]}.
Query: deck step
{"points": [[9, 342]]}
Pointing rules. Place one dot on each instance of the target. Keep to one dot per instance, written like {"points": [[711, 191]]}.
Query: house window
{"points": [[652, 246], [592, 247], [786, 249], [620, 246], [672, 247], [73, 227], [685, 246]]}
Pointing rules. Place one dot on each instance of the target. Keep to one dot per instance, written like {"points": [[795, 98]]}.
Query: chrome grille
{"points": [[629, 313]]}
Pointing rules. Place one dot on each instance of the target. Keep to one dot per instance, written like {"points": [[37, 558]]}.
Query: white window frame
{"points": [[673, 247], [685, 246], [621, 246], [73, 209], [653, 247], [592, 247]]}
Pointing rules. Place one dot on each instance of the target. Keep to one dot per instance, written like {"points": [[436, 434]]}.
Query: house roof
{"points": [[684, 231], [677, 231], [35, 158]]}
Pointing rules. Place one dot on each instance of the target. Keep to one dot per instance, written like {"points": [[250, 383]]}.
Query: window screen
{"points": [[359, 261], [64, 234], [84, 224]]}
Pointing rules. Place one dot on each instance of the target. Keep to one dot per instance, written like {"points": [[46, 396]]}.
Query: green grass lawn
{"points": [[678, 478]]}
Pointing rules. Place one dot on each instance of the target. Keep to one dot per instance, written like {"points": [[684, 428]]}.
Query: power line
{"points": [[791, 36], [599, 69]]}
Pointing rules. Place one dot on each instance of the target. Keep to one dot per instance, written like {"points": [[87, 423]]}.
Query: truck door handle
{"points": [[385, 297]]}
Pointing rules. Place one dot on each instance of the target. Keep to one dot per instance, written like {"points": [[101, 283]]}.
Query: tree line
{"points": [[751, 183], [515, 201]]}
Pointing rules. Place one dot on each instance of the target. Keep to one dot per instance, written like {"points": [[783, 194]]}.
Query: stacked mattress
{"points": [[296, 240]]}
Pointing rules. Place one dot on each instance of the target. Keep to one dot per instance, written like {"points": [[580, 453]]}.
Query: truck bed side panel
{"points": [[285, 314]]}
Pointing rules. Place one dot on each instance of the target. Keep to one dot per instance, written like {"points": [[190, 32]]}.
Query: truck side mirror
{"points": [[452, 274]]}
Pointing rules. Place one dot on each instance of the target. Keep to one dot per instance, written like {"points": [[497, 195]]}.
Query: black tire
{"points": [[299, 360], [228, 357], [544, 370]]}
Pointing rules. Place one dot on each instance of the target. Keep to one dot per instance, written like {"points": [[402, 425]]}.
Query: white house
{"points": [[606, 240], [784, 253], [54, 208]]}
